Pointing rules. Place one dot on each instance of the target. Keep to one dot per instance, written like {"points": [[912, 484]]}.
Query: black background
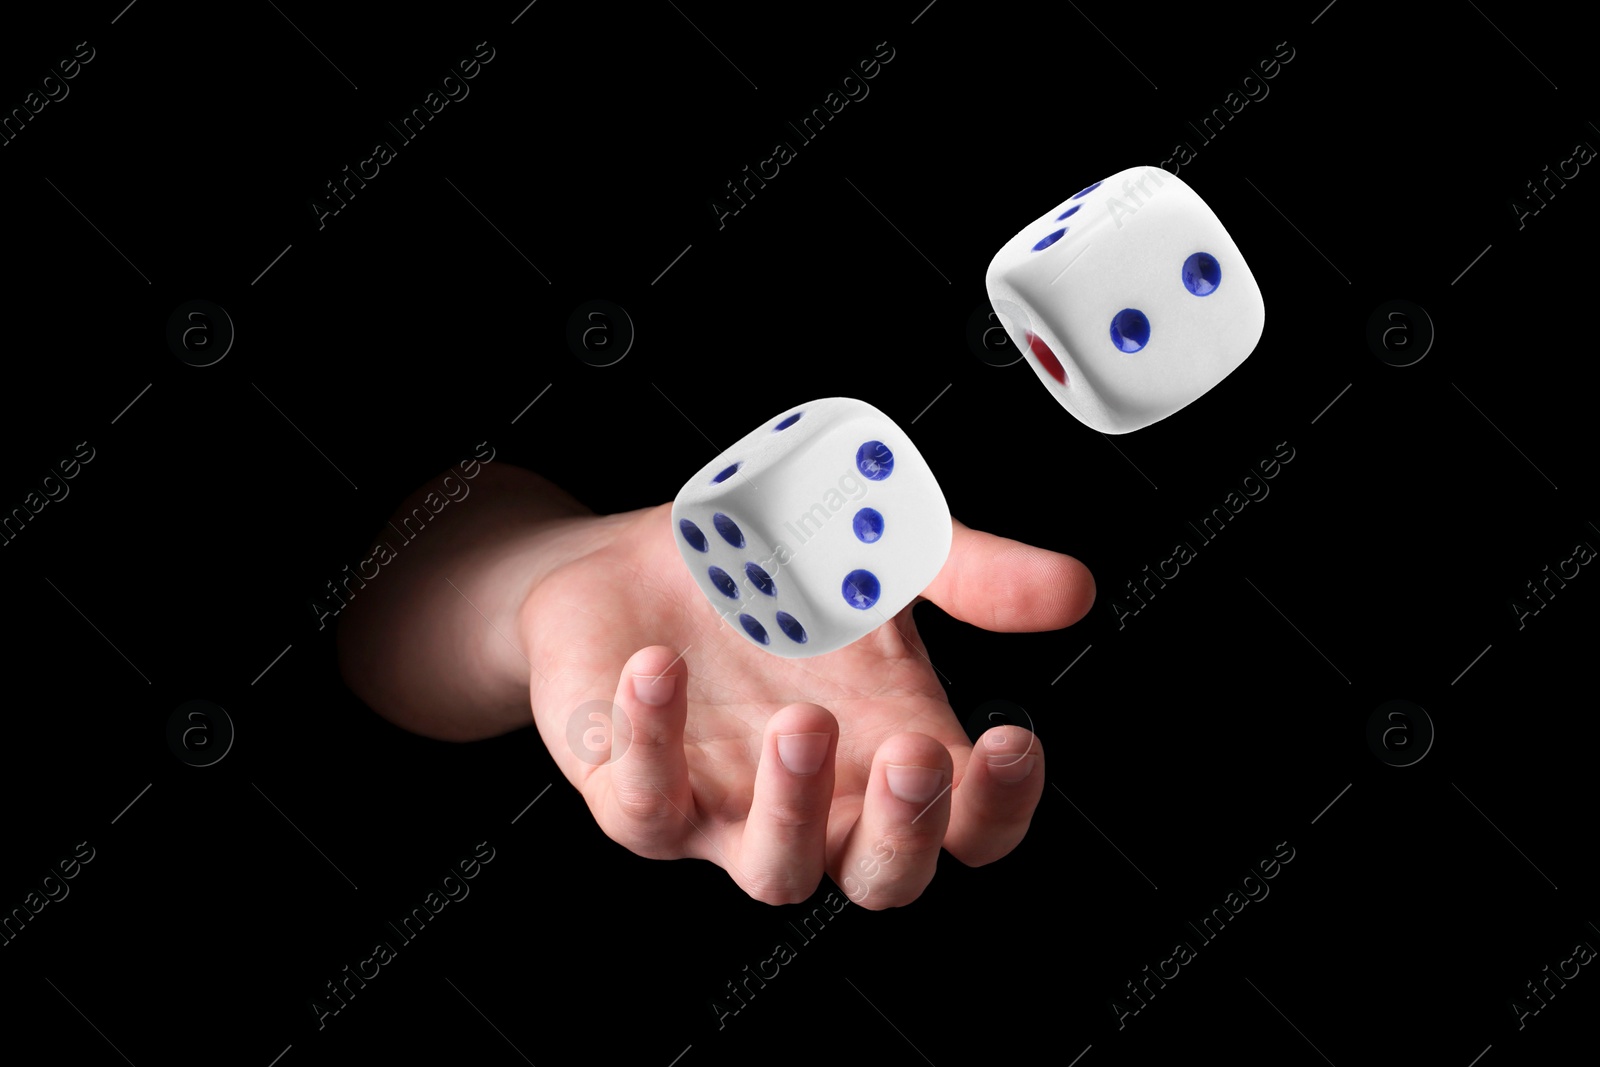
{"points": [[1183, 746]]}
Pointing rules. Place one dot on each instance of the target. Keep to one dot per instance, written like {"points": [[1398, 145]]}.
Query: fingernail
{"points": [[1011, 767], [802, 753], [914, 785], [654, 689]]}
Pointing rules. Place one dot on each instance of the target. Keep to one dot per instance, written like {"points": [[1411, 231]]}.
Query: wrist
{"points": [[437, 646]]}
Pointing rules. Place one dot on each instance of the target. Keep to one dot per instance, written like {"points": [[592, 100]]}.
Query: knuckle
{"points": [[970, 856], [643, 805], [637, 820], [916, 844], [647, 848], [893, 895], [778, 887], [645, 733], [793, 817], [652, 845], [777, 895]]}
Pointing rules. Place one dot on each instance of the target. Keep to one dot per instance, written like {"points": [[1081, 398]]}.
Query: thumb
{"points": [[1008, 586]]}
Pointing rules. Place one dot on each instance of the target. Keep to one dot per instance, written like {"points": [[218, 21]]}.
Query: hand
{"points": [[780, 770]]}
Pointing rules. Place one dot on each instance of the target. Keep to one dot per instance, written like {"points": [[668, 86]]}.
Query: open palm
{"points": [[687, 740]]}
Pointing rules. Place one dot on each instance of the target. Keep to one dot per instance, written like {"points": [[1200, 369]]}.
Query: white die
{"points": [[1072, 286], [815, 528]]}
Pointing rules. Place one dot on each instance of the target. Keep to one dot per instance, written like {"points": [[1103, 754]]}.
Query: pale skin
{"points": [[517, 600]]}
